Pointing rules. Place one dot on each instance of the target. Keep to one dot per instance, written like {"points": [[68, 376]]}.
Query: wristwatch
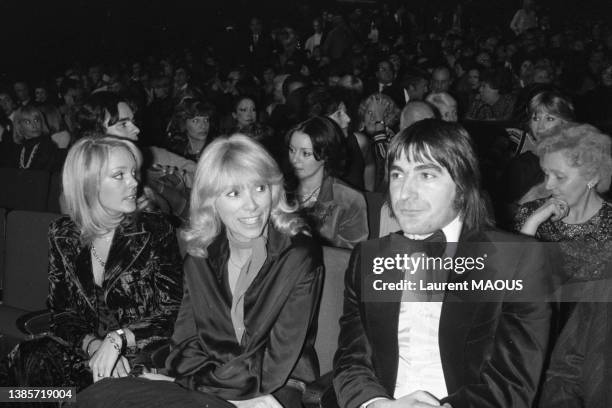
{"points": [[121, 334]]}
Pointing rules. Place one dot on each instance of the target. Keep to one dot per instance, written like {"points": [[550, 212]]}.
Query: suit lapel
{"points": [[77, 265], [128, 243], [458, 313], [383, 317]]}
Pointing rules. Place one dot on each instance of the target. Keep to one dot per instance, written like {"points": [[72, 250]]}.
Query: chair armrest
{"points": [[315, 390], [34, 323]]}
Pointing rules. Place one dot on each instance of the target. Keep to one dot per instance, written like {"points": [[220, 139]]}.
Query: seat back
{"points": [[26, 263], [374, 201], [2, 247], [55, 191], [330, 310], [24, 189]]}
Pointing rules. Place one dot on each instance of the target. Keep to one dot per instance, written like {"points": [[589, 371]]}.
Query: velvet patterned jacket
{"points": [[142, 285]]}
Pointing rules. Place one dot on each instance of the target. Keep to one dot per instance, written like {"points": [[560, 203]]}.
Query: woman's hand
{"points": [[265, 401], [105, 358], [553, 208], [61, 139], [122, 368]]}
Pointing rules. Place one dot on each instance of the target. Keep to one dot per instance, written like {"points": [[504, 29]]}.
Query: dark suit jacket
{"points": [[580, 371], [492, 352], [280, 309], [142, 285], [393, 90]]}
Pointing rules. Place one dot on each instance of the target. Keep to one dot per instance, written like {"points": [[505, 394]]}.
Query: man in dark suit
{"points": [[465, 345], [385, 82]]}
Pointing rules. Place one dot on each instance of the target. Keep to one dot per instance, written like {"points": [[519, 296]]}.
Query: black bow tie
{"points": [[434, 245]]}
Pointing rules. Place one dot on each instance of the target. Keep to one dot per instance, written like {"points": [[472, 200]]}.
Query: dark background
{"points": [[40, 38]]}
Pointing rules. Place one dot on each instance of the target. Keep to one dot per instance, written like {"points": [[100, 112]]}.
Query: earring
{"points": [[590, 185]]}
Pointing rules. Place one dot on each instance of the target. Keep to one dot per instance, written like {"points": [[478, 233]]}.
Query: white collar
{"points": [[452, 231]]}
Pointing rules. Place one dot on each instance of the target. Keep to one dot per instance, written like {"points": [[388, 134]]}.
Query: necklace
{"points": [[22, 164], [95, 254], [194, 147], [304, 198]]}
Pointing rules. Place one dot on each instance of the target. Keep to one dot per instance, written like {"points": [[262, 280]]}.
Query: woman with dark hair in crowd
{"points": [[114, 275], [336, 212], [246, 328], [34, 149], [244, 114], [496, 101], [191, 128], [333, 104]]}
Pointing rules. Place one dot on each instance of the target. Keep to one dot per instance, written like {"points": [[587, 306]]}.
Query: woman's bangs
{"points": [[241, 174]]}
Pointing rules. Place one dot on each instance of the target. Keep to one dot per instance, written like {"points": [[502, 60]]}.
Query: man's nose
{"points": [[409, 190]]}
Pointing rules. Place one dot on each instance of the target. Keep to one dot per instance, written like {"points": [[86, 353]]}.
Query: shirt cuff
{"points": [[365, 404]]}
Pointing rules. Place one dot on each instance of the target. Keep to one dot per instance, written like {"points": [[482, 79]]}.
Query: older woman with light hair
{"points": [[577, 163], [378, 118], [445, 104], [114, 275], [245, 332]]}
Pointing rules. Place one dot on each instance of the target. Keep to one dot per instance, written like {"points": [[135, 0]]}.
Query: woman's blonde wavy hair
{"points": [[234, 161], [81, 177], [585, 147]]}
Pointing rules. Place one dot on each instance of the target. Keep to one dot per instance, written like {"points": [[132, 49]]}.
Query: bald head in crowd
{"points": [[414, 112]]}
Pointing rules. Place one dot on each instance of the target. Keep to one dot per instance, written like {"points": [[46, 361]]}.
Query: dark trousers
{"points": [[133, 392]]}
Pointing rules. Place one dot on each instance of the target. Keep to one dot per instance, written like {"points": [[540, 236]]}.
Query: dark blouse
{"points": [[40, 153], [500, 110], [280, 309], [586, 248]]}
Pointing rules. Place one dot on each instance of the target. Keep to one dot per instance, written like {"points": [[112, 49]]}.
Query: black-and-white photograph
{"points": [[306, 204]]}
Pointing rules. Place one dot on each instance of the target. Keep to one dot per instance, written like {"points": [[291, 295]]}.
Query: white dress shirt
{"points": [[420, 364]]}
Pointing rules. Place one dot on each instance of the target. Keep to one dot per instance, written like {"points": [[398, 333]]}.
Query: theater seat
{"points": [[24, 189], [336, 262], [25, 284], [55, 190], [2, 247], [330, 310]]}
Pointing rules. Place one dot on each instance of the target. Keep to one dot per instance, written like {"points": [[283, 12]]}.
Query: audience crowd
{"points": [[325, 99]]}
